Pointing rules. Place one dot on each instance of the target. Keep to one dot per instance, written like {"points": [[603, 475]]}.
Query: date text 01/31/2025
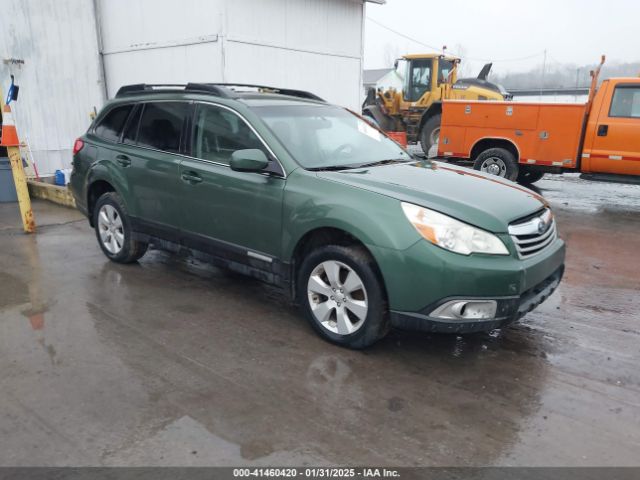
{"points": [[316, 472]]}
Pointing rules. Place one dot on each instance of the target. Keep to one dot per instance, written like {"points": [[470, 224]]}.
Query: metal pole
{"points": [[19, 178], [544, 67]]}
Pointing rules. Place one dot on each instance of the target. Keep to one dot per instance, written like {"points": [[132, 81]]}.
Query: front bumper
{"points": [[509, 310], [424, 276]]}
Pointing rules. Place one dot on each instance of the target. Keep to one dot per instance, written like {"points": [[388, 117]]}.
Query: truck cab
{"points": [[612, 136]]}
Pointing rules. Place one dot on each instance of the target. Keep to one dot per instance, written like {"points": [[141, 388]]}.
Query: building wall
{"points": [[313, 45], [60, 79], [160, 41], [77, 53], [390, 80]]}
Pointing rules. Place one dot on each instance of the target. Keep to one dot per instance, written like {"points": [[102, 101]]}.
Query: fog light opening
{"points": [[466, 310]]}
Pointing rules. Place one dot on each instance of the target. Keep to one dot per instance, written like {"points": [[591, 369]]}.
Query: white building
{"points": [[381, 78], [70, 56]]}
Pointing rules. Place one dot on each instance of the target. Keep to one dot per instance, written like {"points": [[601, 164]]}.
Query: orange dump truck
{"points": [[523, 141]]}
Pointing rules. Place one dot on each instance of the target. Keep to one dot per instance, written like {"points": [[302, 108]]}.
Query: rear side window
{"points": [[112, 123], [131, 127], [161, 125], [217, 133], [625, 102]]}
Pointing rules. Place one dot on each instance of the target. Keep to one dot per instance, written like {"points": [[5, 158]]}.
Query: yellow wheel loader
{"points": [[416, 109]]}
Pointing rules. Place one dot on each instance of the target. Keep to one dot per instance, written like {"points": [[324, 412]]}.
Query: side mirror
{"points": [[249, 160]]}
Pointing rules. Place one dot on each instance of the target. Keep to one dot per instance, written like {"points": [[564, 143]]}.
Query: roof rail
{"points": [[224, 90], [142, 88], [282, 91]]}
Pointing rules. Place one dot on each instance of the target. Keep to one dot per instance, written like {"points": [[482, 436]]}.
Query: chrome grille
{"points": [[533, 234]]}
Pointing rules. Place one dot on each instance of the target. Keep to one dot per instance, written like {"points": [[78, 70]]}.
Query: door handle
{"points": [[603, 130], [123, 160], [191, 177]]}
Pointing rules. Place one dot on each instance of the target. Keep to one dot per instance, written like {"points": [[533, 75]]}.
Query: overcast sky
{"points": [[572, 31]]}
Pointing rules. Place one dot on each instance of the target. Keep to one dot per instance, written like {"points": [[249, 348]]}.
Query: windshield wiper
{"points": [[332, 168], [389, 161]]}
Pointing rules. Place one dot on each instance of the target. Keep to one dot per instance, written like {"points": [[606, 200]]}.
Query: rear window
{"points": [[161, 125], [111, 124], [625, 102]]}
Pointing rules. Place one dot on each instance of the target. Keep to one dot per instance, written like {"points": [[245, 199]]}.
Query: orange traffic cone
{"points": [[9, 132]]}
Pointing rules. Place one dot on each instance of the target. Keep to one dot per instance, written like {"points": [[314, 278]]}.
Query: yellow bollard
{"points": [[10, 140]]}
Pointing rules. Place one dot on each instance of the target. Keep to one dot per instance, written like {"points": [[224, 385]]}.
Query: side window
{"points": [[420, 78], [161, 125], [131, 128], [217, 133], [111, 124], [625, 102], [444, 69]]}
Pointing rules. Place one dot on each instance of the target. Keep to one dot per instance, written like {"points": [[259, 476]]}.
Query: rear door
{"points": [[235, 214], [615, 137], [101, 148], [149, 158]]}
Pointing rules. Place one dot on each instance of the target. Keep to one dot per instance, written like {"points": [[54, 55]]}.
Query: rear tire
{"points": [[113, 230], [430, 133], [528, 177], [332, 274], [498, 161]]}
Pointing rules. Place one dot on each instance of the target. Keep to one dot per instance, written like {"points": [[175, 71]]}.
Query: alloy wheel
{"points": [[111, 229], [337, 297]]}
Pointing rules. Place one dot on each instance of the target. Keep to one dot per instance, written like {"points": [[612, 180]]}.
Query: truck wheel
{"points": [[342, 296], [529, 176], [497, 161], [430, 133]]}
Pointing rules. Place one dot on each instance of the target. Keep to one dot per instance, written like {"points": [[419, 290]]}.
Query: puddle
{"points": [[13, 291]]}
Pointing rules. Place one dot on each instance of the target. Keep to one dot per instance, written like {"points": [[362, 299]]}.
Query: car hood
{"points": [[483, 200]]}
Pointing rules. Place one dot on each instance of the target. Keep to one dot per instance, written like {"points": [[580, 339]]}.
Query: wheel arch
{"points": [[486, 143], [95, 190], [433, 110], [326, 235]]}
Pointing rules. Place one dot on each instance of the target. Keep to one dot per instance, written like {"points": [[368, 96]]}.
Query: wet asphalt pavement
{"points": [[173, 362]]}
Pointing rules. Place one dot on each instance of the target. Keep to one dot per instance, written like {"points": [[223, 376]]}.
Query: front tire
{"points": [[498, 161], [113, 230], [341, 294], [430, 134]]}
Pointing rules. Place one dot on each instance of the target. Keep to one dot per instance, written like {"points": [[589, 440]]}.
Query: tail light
{"points": [[77, 146]]}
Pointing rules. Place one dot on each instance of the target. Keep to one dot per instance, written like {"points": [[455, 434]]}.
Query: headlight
{"points": [[451, 234]]}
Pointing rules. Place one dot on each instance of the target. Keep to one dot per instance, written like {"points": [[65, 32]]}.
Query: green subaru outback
{"points": [[279, 185]]}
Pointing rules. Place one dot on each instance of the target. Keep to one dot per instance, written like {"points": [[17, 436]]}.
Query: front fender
{"points": [[312, 202]]}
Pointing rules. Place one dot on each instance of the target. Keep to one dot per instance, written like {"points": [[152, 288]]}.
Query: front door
{"points": [[616, 139], [237, 214], [418, 81]]}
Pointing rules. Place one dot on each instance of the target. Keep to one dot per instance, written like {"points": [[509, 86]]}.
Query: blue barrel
{"points": [[7, 187]]}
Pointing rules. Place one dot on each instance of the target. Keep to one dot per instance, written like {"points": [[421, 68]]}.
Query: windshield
{"points": [[325, 136]]}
